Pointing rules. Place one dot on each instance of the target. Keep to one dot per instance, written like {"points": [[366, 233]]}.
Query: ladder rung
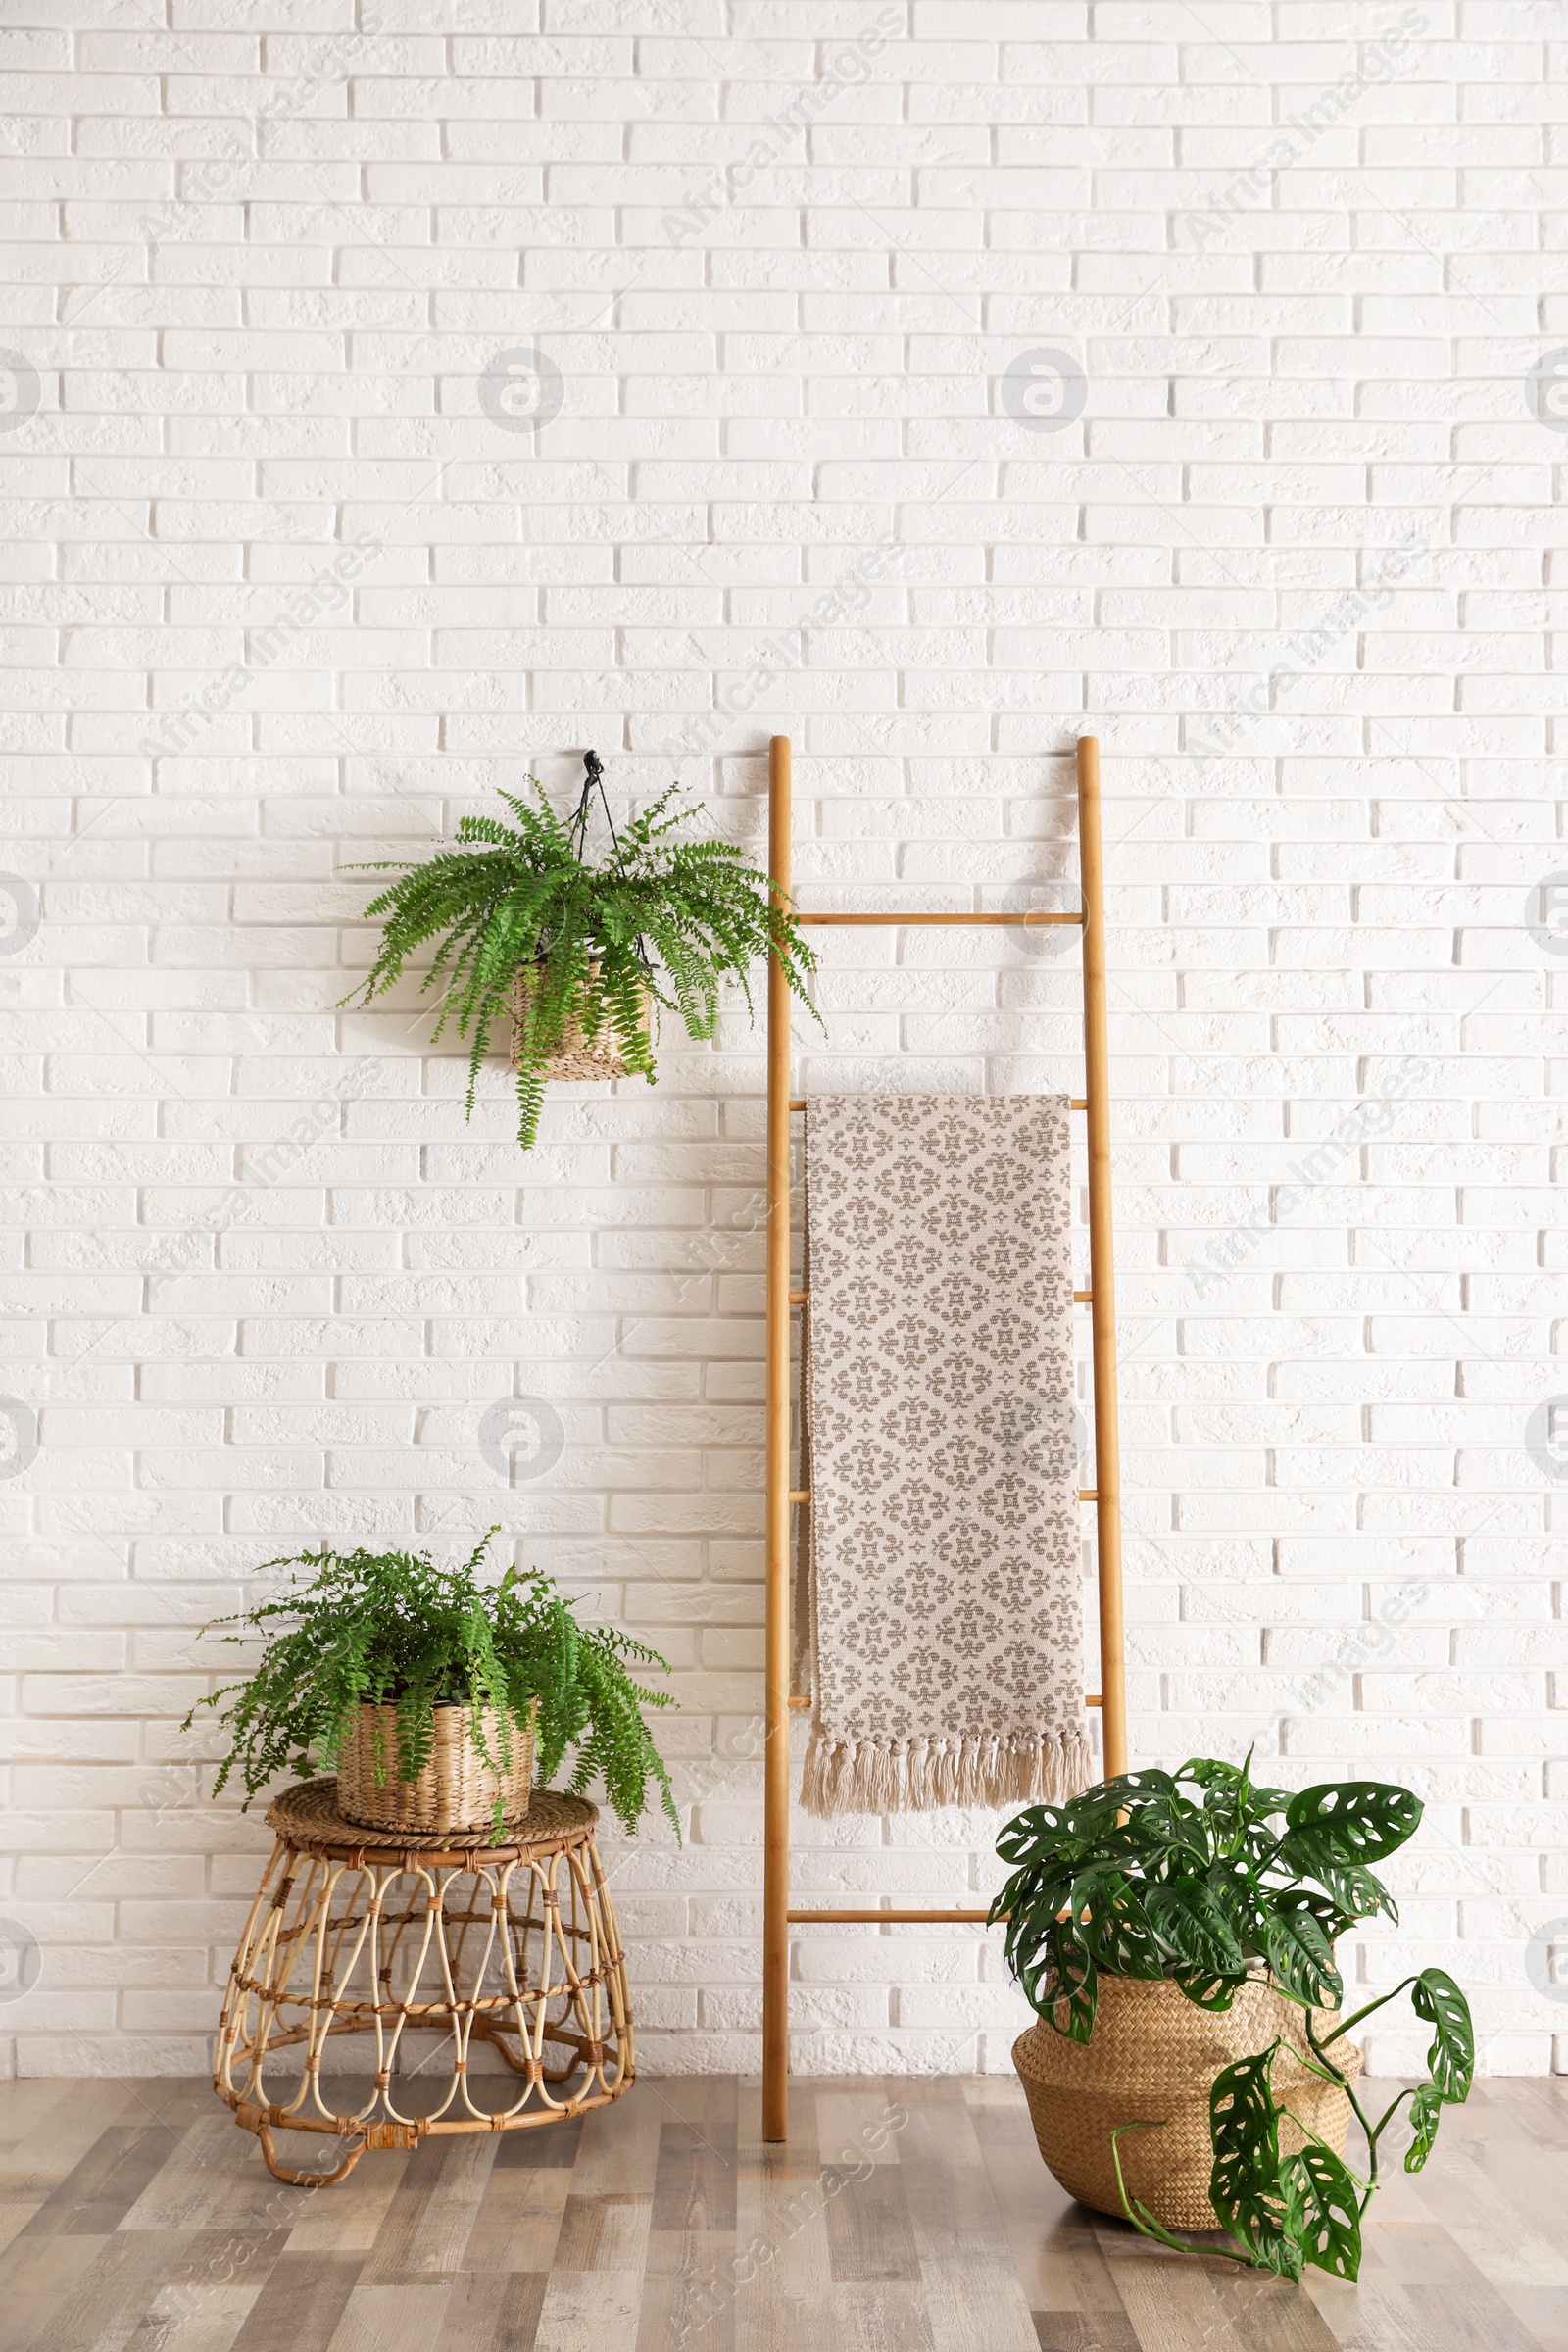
{"points": [[799, 1297], [797, 1698], [1082, 1298], [799, 1493], [897, 1919], [1033, 919]]}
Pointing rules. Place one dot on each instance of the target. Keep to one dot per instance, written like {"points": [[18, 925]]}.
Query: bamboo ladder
{"points": [[1105, 1494]]}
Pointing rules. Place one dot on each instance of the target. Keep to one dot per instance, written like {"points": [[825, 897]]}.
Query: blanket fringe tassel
{"points": [[917, 1776]]}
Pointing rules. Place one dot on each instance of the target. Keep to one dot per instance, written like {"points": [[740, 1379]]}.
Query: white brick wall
{"points": [[1294, 562]]}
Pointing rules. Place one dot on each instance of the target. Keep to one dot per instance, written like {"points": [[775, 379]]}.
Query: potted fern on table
{"points": [[571, 952], [432, 1694]]}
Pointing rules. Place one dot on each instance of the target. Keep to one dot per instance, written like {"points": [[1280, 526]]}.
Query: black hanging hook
{"points": [[593, 774], [593, 780]]}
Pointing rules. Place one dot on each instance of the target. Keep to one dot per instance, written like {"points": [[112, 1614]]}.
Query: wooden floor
{"points": [[903, 2215]]}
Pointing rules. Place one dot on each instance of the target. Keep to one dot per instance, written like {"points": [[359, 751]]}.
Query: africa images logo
{"points": [[521, 390], [1045, 390]]}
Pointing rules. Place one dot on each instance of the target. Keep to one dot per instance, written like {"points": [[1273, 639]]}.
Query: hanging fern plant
{"points": [[659, 918]]}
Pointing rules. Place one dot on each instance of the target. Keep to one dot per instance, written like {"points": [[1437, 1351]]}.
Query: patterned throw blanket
{"points": [[939, 1610]]}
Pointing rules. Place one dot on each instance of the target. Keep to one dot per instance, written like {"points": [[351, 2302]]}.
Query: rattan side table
{"points": [[385, 1934]]}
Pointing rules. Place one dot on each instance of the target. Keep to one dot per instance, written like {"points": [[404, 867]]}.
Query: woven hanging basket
{"points": [[580, 1058], [1153, 2058], [456, 1788]]}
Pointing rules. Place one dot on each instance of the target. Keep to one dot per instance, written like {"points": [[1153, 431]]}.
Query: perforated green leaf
{"points": [[1207, 1991], [1004, 1905], [1191, 1917], [1264, 1802], [1356, 1892], [1273, 2242], [1028, 1835], [1119, 1933], [1301, 1956], [1246, 1800], [1346, 1821], [1451, 2058], [1033, 1937], [1034, 1902], [1138, 1812], [1324, 2216], [1245, 2186], [1127, 1787], [1426, 2113], [1077, 1989], [1047, 1953], [1244, 2122]]}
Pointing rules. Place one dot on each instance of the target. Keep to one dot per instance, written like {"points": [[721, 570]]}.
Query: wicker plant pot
{"points": [[1153, 2058], [580, 1058], [456, 1791]]}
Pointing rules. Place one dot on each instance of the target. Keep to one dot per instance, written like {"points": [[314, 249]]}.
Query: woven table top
{"points": [[306, 1816]]}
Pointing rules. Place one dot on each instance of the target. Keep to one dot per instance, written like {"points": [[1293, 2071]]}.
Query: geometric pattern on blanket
{"points": [[939, 1614]]}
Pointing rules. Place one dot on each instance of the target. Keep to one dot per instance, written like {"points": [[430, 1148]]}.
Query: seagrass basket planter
{"points": [[456, 1788], [580, 1058], [1153, 2058]]}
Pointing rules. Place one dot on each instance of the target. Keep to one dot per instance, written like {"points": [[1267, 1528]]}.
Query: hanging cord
{"points": [[593, 780]]}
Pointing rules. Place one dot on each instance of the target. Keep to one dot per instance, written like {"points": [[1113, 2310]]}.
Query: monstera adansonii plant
{"points": [[1137, 1878]]}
